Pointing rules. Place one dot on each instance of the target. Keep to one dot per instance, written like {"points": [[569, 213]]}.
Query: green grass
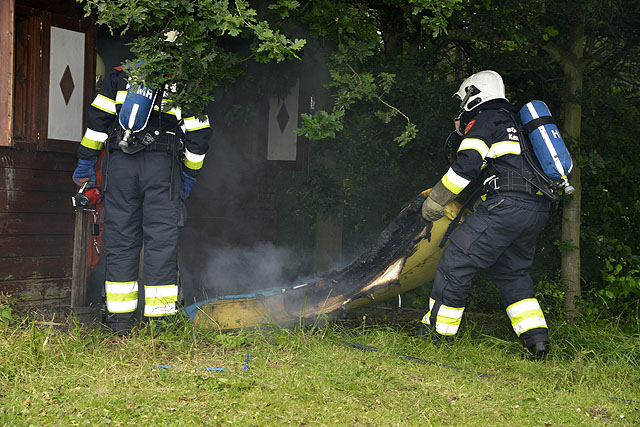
{"points": [[313, 377]]}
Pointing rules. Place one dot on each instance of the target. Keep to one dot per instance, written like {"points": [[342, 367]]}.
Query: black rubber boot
{"points": [[427, 332], [121, 327], [424, 331], [440, 340], [539, 350], [162, 323]]}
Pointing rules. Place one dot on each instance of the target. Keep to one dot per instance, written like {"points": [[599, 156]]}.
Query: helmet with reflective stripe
{"points": [[480, 88]]}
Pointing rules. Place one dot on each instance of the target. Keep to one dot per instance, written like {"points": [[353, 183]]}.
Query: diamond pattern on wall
{"points": [[66, 85], [283, 118]]}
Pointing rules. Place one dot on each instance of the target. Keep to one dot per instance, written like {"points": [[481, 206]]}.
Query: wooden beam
{"points": [[80, 254], [6, 70]]}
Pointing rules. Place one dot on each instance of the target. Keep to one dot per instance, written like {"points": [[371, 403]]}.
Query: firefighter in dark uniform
{"points": [[501, 234], [145, 186]]}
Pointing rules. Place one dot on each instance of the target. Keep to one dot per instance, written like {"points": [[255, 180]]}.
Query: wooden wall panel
{"points": [[35, 268], [35, 202], [46, 307], [37, 160], [65, 8], [12, 224], [39, 294], [36, 180], [35, 246]]}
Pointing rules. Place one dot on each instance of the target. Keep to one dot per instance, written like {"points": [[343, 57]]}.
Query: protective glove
{"points": [[431, 211], [84, 172], [188, 181], [433, 206]]}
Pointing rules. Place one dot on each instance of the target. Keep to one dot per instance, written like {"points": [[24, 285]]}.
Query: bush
{"points": [[6, 309]]}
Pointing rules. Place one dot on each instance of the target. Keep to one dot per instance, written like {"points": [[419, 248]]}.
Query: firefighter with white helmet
{"points": [[155, 152], [501, 234]]}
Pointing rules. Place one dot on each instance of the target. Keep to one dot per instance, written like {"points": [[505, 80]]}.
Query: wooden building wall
{"points": [[36, 227], [36, 216]]}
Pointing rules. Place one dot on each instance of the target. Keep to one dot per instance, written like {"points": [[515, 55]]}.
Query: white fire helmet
{"points": [[480, 88]]}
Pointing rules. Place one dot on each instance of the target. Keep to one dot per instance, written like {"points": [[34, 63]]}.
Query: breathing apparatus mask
{"points": [[477, 89], [460, 122], [469, 92]]}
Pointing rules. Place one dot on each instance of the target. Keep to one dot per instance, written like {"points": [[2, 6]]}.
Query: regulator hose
{"points": [[446, 148]]}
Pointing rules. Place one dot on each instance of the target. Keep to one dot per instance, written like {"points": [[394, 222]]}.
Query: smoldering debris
{"points": [[377, 272], [350, 282]]}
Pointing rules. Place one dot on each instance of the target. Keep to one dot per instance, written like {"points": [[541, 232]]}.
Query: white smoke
{"points": [[239, 270]]}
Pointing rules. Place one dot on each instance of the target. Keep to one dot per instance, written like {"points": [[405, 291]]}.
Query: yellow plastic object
{"points": [[404, 257], [418, 267]]}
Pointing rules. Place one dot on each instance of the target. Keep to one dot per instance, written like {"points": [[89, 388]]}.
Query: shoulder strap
{"points": [[539, 180]]}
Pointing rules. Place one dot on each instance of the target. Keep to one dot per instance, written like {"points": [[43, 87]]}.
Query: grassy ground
{"points": [[317, 376]]}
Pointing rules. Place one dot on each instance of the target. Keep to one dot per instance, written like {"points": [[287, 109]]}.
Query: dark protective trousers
{"points": [[139, 208], [500, 235]]}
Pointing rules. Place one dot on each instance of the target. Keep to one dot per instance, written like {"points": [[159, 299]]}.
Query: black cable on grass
{"points": [[480, 374], [635, 402], [618, 399], [415, 359]]}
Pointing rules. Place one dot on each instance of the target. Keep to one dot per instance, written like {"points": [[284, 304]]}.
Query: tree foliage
{"points": [[362, 32], [197, 60]]}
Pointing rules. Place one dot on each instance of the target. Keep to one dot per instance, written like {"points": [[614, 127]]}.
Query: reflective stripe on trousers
{"points": [[121, 297], [160, 300], [526, 315], [447, 319]]}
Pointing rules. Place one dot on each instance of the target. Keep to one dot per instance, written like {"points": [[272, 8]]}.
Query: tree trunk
{"points": [[573, 65], [570, 268], [393, 30], [327, 252]]}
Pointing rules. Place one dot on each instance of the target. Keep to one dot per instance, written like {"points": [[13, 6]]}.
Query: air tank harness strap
{"points": [[147, 141], [510, 180], [536, 123]]}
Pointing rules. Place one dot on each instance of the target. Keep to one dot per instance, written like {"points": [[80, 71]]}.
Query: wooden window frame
{"points": [[6, 71], [36, 104]]}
